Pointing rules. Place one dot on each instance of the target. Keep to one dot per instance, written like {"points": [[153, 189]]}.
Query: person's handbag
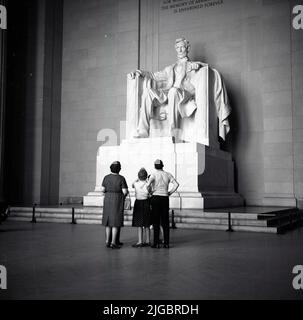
{"points": [[127, 203]]}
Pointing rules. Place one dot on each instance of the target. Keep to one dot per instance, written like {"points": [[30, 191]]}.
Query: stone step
{"points": [[281, 219], [50, 220], [84, 221], [90, 213], [128, 217], [200, 226], [91, 210], [17, 218], [224, 221], [185, 212], [205, 214], [208, 224], [98, 211], [242, 219], [282, 228], [255, 229], [181, 225], [224, 228]]}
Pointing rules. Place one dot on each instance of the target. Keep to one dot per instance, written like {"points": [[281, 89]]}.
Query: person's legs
{"points": [[139, 244], [118, 237], [114, 235], [156, 219], [140, 234], [161, 234], [165, 220], [108, 235], [147, 235]]}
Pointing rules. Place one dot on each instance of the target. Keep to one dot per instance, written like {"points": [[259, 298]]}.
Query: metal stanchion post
{"points": [[73, 216], [34, 214], [229, 223]]}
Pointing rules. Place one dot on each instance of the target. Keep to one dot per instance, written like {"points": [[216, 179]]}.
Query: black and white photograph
{"points": [[151, 153]]}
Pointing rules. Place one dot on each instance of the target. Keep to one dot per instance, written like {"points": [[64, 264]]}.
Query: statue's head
{"points": [[182, 47]]}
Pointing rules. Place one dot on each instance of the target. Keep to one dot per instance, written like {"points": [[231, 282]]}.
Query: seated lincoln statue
{"points": [[187, 100]]}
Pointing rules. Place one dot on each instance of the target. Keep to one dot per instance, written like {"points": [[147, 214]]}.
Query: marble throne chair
{"points": [[195, 127]]}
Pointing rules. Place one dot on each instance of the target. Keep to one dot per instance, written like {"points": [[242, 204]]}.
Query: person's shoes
{"points": [[166, 246], [155, 246], [137, 245], [120, 243], [114, 246], [107, 245], [146, 244]]}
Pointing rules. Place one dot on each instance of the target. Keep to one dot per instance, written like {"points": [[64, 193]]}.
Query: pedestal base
{"points": [[206, 175]]}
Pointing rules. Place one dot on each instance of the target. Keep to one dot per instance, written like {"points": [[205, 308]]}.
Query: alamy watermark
{"points": [[109, 137], [3, 17], [297, 281], [3, 278], [297, 21]]}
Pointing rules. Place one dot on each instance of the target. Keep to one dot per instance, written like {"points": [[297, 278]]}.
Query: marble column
{"points": [[2, 105], [51, 121], [278, 110], [297, 109]]}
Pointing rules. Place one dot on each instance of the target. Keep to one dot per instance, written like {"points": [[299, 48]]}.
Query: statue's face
{"points": [[181, 49]]}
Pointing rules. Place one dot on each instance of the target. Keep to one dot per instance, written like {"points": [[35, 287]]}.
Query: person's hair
{"points": [[115, 167], [184, 41], [142, 174], [159, 165]]}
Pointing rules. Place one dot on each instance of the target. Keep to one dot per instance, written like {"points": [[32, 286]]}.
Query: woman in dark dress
{"points": [[115, 189]]}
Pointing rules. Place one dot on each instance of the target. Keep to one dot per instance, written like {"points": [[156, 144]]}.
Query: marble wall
{"points": [[251, 43], [100, 45]]}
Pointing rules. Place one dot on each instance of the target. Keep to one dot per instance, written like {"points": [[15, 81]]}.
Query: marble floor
{"points": [[64, 261]]}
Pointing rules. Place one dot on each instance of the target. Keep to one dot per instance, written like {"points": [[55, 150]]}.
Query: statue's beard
{"points": [[182, 55]]}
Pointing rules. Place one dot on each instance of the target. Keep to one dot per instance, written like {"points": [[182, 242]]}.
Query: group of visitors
{"points": [[151, 207]]}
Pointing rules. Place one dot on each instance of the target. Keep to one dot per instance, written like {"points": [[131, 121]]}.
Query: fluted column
{"points": [[2, 99]]}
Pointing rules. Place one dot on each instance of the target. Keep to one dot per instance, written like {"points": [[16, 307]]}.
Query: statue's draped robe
{"points": [[200, 91]]}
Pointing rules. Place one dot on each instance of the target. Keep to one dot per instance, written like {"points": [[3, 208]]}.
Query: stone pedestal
{"points": [[206, 175]]}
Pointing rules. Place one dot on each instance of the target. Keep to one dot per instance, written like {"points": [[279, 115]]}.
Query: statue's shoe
{"points": [[141, 135]]}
